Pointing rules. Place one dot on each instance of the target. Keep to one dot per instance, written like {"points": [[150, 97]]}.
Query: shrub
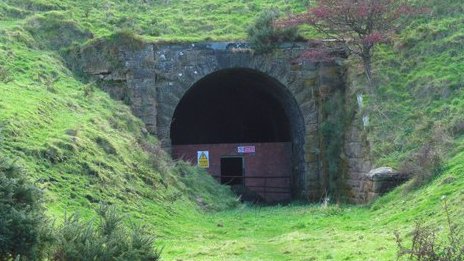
{"points": [[427, 246], [23, 229], [83, 240], [427, 162], [264, 37]]}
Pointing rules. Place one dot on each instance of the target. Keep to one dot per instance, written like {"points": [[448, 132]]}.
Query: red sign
{"points": [[246, 149]]}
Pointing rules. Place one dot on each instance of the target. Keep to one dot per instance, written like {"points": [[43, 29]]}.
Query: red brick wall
{"points": [[269, 159]]}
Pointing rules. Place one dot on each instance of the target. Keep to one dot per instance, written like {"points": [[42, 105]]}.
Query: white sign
{"points": [[203, 159], [246, 149]]}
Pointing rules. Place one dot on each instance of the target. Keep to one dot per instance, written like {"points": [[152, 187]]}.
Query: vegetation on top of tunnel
{"points": [[264, 37], [177, 21], [359, 25]]}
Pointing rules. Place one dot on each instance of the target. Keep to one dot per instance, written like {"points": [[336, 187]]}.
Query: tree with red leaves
{"points": [[360, 24]]}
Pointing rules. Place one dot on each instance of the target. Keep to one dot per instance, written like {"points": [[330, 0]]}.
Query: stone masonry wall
{"points": [[153, 79]]}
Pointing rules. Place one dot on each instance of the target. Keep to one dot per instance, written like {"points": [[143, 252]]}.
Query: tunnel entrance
{"points": [[230, 106], [242, 114], [232, 170]]}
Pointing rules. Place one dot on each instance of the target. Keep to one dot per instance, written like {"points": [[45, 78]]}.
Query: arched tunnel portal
{"points": [[249, 128], [251, 112]]}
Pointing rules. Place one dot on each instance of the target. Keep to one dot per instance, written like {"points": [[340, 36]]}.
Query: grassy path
{"points": [[317, 233], [286, 233]]}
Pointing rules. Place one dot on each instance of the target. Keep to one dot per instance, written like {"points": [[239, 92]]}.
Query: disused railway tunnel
{"points": [[249, 128], [256, 114]]}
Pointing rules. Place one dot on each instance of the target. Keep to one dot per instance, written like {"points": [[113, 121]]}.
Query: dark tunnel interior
{"points": [[231, 106]]}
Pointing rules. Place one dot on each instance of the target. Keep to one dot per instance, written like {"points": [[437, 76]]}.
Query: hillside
{"points": [[421, 85], [83, 148]]}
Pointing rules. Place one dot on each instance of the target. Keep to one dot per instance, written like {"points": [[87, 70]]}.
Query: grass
{"points": [[420, 85], [282, 233], [302, 232], [83, 148], [179, 20]]}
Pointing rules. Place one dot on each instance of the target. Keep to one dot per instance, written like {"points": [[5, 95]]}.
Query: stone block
{"points": [[354, 150], [378, 182], [353, 183]]}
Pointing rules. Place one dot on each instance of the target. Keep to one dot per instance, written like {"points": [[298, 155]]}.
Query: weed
{"points": [[264, 37], [427, 163], [426, 244], [109, 240], [23, 225]]}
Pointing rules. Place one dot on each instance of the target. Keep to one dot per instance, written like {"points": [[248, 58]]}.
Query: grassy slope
{"points": [[421, 84], [83, 149]]}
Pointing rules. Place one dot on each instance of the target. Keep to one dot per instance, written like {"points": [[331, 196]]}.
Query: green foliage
{"points": [[81, 147], [335, 118], [89, 89], [265, 37], [295, 232], [23, 225], [109, 240], [126, 38], [426, 245]]}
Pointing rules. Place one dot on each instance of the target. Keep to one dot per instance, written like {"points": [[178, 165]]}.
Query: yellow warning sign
{"points": [[203, 159]]}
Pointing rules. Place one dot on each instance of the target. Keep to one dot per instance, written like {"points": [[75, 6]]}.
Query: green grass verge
{"points": [[302, 232]]}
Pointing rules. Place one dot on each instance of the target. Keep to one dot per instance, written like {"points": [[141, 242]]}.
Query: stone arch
{"points": [[267, 112], [178, 67], [172, 87], [154, 78]]}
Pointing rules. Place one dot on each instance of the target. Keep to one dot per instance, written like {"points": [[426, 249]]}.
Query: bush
{"points": [[109, 240], [427, 246], [264, 37], [427, 162], [23, 229]]}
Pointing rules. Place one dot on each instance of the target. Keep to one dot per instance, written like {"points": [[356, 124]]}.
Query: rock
{"points": [[144, 131], [381, 172], [386, 174], [380, 181]]}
